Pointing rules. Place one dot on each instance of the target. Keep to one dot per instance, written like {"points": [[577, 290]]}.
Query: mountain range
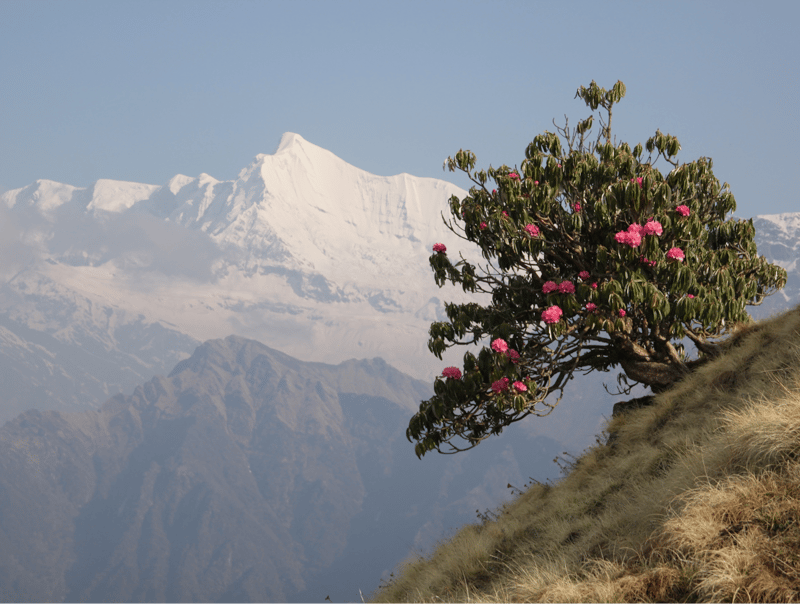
{"points": [[204, 281], [245, 475]]}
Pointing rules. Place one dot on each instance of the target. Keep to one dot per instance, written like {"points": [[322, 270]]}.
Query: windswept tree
{"points": [[594, 260]]}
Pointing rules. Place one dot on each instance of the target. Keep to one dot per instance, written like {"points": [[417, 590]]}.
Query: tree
{"points": [[594, 260]]}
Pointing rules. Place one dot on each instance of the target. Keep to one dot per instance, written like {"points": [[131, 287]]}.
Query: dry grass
{"points": [[698, 500]]}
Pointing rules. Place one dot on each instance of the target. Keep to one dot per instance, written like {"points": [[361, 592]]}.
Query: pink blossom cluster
{"points": [[532, 230], [591, 307], [622, 312], [500, 385], [633, 236], [576, 207], [520, 387], [584, 275], [644, 260], [452, 372], [514, 176], [552, 315], [683, 210], [690, 295], [676, 253], [483, 225], [499, 345], [653, 227], [565, 287], [439, 247], [639, 180]]}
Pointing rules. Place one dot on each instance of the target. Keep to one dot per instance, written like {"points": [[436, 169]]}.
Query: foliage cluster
{"points": [[595, 259]]}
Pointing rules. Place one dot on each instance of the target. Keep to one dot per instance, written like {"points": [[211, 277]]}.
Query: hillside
{"points": [[694, 498]]}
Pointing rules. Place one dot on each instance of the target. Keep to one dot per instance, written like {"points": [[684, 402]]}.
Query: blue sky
{"points": [[142, 91]]}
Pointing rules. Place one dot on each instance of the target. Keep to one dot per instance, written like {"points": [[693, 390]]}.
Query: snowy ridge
{"points": [[302, 251], [306, 204], [778, 239], [781, 234]]}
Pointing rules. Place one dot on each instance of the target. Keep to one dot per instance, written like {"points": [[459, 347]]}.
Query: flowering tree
{"points": [[594, 260]]}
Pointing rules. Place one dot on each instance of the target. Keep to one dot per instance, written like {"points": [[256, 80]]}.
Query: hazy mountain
{"points": [[246, 475], [302, 251], [104, 287], [778, 238]]}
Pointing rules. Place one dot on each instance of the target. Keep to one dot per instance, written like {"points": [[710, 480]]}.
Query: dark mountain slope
{"points": [[233, 479], [245, 475]]}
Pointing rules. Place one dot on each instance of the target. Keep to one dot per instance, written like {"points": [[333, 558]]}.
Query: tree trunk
{"points": [[659, 376]]}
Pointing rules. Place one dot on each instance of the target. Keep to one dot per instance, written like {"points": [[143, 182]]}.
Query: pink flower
{"points": [[639, 180], [676, 253], [584, 275], [559, 165], [500, 385], [499, 345], [594, 285], [536, 182], [505, 213], [494, 191], [532, 230], [566, 287], [483, 225], [548, 287], [644, 260], [653, 227], [689, 296], [622, 312], [520, 387], [452, 372], [683, 210], [513, 355], [439, 247], [634, 239], [513, 175], [637, 229], [552, 315], [576, 207], [591, 306], [631, 238]]}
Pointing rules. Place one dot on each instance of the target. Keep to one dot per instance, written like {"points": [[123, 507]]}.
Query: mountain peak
{"points": [[118, 195], [289, 140]]}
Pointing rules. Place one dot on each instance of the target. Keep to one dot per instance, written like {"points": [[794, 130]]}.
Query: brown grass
{"points": [[698, 500]]}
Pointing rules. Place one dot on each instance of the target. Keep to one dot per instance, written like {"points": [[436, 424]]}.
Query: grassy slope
{"points": [[698, 499]]}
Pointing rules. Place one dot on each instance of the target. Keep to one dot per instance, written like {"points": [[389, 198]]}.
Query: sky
{"points": [[142, 91]]}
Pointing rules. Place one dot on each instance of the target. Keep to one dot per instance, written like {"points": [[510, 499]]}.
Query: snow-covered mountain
{"points": [[778, 238], [303, 252]]}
